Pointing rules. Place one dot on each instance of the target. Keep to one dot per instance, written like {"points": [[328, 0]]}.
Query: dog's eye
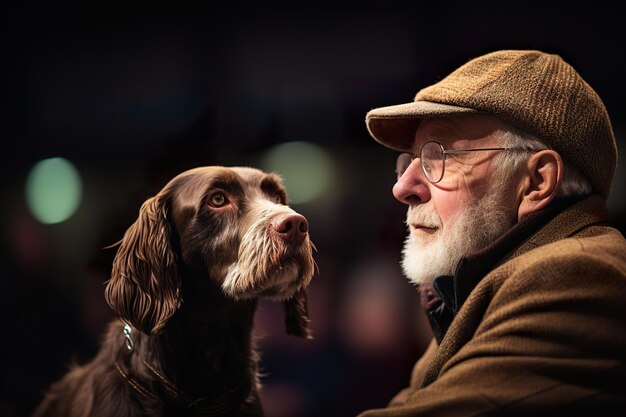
{"points": [[217, 200]]}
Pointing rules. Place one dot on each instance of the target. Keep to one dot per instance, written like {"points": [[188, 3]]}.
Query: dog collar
{"points": [[129, 341]]}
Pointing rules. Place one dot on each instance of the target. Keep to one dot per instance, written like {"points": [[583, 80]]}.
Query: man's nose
{"points": [[412, 186]]}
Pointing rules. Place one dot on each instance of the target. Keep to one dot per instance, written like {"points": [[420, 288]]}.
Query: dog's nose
{"points": [[291, 227]]}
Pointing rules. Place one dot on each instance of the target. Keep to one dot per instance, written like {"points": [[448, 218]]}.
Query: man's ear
{"points": [[541, 180]]}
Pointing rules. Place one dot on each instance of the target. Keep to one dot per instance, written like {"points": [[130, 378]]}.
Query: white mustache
{"points": [[422, 216]]}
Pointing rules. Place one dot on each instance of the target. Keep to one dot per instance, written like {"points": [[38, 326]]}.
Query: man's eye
{"points": [[217, 200]]}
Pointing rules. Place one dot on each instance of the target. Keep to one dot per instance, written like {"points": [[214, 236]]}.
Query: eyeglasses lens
{"points": [[402, 163], [432, 159]]}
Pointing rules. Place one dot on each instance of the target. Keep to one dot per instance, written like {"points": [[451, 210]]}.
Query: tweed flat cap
{"points": [[537, 92]]}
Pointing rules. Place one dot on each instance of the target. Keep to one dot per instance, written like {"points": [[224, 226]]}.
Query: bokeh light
{"points": [[306, 168], [53, 190]]}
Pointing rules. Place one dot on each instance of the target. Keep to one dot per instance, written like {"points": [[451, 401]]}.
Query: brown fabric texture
{"points": [[542, 334], [535, 91]]}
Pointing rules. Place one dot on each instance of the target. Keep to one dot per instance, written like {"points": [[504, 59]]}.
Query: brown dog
{"points": [[184, 284]]}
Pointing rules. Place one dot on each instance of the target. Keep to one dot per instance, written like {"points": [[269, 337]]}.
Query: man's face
{"points": [[469, 208]]}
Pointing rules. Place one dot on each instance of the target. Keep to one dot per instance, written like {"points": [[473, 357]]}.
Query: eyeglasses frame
{"points": [[445, 152]]}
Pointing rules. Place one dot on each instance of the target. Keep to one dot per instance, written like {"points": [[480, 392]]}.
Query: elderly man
{"points": [[505, 168]]}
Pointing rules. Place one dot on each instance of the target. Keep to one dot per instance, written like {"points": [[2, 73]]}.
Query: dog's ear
{"points": [[144, 289], [296, 315]]}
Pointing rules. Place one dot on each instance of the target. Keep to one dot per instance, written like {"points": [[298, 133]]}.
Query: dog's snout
{"points": [[291, 227]]}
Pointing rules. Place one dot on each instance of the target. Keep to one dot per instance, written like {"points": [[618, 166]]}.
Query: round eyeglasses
{"points": [[433, 159]]}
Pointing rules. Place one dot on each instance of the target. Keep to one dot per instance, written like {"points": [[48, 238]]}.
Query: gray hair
{"points": [[525, 144]]}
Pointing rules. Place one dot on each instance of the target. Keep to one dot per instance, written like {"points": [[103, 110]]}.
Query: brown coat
{"points": [[544, 333]]}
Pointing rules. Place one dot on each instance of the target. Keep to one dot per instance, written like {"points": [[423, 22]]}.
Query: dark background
{"points": [[134, 93]]}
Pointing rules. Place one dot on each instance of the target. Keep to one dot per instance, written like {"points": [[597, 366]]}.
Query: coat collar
{"points": [[563, 218]]}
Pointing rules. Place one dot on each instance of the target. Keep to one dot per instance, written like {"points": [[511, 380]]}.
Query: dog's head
{"points": [[234, 225]]}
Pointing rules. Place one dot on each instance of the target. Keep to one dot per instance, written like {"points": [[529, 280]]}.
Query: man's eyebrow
{"points": [[437, 136]]}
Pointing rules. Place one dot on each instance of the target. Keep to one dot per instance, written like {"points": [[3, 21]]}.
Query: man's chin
{"points": [[422, 262], [430, 252]]}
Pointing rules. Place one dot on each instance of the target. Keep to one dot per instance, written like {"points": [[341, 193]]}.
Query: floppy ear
{"points": [[144, 288], [296, 315]]}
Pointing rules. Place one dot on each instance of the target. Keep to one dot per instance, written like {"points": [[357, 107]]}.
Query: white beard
{"points": [[427, 256]]}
